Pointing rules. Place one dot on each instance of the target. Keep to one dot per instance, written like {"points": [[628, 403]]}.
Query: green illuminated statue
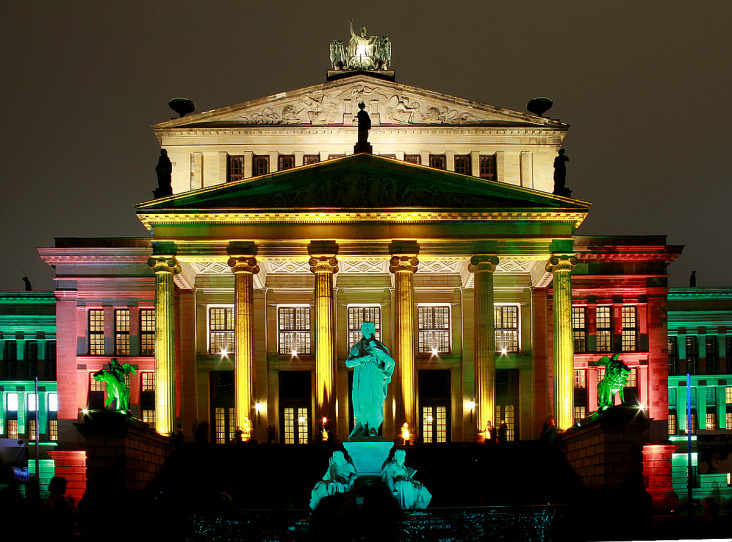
{"points": [[410, 493], [338, 478], [616, 375], [114, 378], [372, 369]]}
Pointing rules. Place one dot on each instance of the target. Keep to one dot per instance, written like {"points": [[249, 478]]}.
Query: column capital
{"points": [[323, 264], [561, 262], [243, 264], [164, 264], [403, 263], [483, 262]]}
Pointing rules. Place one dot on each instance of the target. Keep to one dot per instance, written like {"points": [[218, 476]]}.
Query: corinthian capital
{"points": [[164, 264], [561, 262], [483, 262], [403, 263], [323, 264], [243, 264]]}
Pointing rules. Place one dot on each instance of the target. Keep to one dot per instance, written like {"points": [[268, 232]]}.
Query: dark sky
{"points": [[644, 85]]}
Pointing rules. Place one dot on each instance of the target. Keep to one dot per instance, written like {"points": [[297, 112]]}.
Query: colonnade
{"points": [[324, 267]]}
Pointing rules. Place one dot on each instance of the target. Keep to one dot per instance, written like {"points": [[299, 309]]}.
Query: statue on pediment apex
{"points": [[363, 52]]}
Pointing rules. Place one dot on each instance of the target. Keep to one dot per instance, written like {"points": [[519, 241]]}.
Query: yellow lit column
{"points": [[404, 268], [561, 266], [483, 266], [244, 269], [164, 268], [324, 267]]}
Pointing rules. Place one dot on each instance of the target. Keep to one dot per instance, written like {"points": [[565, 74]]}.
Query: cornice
{"points": [[95, 259], [307, 130], [661, 255], [699, 293]]}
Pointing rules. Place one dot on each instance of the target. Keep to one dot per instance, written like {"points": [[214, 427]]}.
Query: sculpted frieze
{"points": [[399, 108]]}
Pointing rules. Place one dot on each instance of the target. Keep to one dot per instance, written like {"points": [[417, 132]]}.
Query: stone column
{"points": [[483, 266], [164, 268], [404, 268], [244, 269], [324, 267], [561, 266]]}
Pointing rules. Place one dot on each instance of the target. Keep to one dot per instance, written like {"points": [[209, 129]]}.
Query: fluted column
{"points": [[164, 268], [324, 267], [561, 267], [483, 266], [404, 268], [244, 269]]}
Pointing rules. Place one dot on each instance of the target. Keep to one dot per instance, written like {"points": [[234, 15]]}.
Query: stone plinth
{"points": [[125, 451], [658, 476], [368, 455], [606, 451]]}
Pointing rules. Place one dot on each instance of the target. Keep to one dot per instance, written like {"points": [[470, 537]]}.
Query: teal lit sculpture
{"points": [[616, 375], [338, 478], [372, 369], [410, 493], [117, 390]]}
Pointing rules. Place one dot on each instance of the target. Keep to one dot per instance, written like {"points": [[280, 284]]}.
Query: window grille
{"points": [[604, 329], [463, 164], [712, 354], [122, 332], [260, 165], [579, 328], [488, 167], [293, 324], [236, 166], [413, 158], [691, 355], [433, 329], [96, 332], [630, 328], [506, 319], [147, 332], [438, 161], [221, 330], [357, 315], [285, 161]]}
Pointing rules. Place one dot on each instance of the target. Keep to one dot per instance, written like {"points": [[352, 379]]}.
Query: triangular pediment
{"points": [[363, 181], [336, 103]]}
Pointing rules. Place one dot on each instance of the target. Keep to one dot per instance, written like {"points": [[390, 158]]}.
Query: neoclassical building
{"points": [[278, 242]]}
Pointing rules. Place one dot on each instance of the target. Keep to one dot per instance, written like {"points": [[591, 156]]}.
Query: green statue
{"points": [[114, 378], [372, 369], [616, 375]]}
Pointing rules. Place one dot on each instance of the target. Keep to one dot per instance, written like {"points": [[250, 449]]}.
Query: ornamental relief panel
{"points": [[385, 105]]}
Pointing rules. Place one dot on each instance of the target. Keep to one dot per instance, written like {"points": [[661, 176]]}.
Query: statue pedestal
{"points": [[368, 454]]}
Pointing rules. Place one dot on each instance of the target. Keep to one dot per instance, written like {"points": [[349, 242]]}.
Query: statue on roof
{"points": [[363, 52]]}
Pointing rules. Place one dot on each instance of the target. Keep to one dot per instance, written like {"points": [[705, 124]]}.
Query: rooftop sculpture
{"points": [[362, 52]]}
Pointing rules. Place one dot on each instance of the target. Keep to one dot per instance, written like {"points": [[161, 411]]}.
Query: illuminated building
{"points": [[278, 242], [699, 343]]}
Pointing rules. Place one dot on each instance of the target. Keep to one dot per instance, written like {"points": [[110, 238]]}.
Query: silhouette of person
{"points": [[59, 510], [502, 432], [28, 287], [692, 280]]}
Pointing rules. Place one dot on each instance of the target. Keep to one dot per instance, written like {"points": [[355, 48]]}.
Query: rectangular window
{"points": [[413, 158], [694, 423], [310, 159], [711, 421], [463, 164], [579, 328], [221, 330], [296, 425], [711, 399], [11, 415], [96, 332], [285, 161], [357, 315], [334, 156], [673, 356], [510, 419], [630, 329], [579, 413], [293, 324], [507, 328], [438, 161], [488, 166], [672, 427], [672, 396], [433, 323], [260, 165], [728, 419], [147, 382], [691, 355], [604, 329], [52, 430], [10, 360], [122, 332], [50, 361], [31, 359], [632, 381], [580, 379], [728, 395], [148, 416], [31, 428], [712, 354], [12, 428], [147, 332], [392, 156], [236, 168]]}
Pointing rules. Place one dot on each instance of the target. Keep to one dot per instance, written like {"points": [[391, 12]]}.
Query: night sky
{"points": [[645, 87]]}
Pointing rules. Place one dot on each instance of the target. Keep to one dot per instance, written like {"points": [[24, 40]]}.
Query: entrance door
{"points": [[223, 415], [434, 403], [295, 401], [507, 401]]}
